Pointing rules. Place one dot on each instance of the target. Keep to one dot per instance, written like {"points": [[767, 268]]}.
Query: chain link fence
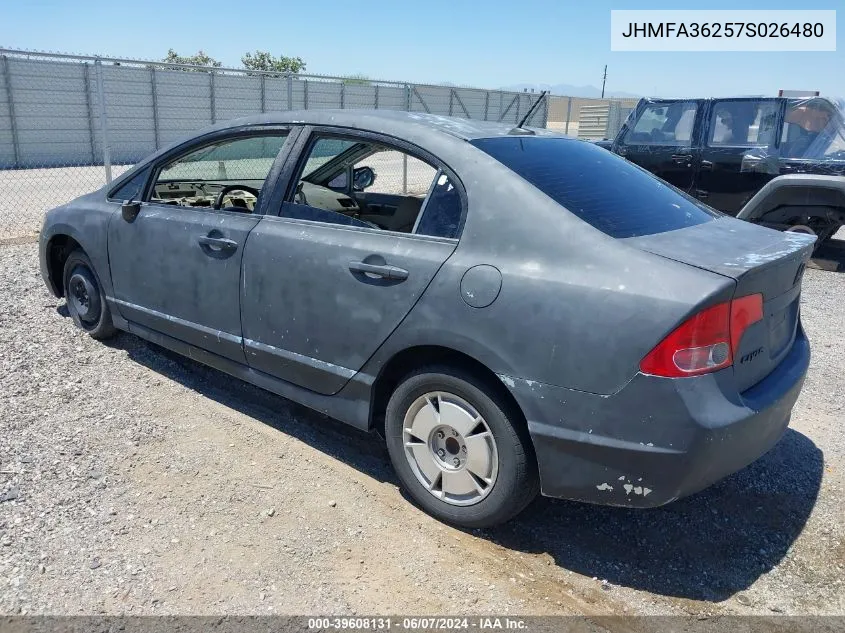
{"points": [[70, 124]]}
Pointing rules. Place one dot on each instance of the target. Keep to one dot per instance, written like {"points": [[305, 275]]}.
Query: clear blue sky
{"points": [[488, 43]]}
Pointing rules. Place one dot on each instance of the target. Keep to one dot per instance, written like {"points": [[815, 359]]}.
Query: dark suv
{"points": [[725, 151]]}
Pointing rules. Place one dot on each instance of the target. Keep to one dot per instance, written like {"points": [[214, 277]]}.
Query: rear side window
{"points": [[743, 123], [603, 189], [441, 216]]}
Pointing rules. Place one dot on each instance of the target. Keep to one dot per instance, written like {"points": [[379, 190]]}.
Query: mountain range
{"points": [[568, 90]]}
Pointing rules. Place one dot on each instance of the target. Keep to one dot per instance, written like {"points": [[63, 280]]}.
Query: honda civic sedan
{"points": [[514, 311]]}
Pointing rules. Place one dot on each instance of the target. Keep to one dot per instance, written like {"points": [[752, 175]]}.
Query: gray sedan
{"points": [[513, 310]]}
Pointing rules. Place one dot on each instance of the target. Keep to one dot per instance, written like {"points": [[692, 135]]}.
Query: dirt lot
{"points": [[134, 482]]}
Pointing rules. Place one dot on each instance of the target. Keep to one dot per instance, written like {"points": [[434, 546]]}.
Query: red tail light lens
{"points": [[706, 341], [744, 312]]}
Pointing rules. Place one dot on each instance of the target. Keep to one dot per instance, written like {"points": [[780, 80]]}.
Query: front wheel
{"points": [[459, 449], [86, 302]]}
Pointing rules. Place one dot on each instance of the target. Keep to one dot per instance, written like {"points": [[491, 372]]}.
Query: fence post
{"points": [[405, 156], [263, 92], [342, 94], [86, 78], [14, 123], [155, 105], [451, 98], [376, 98], [290, 91], [212, 98], [104, 125], [486, 103], [546, 111], [304, 94], [568, 114], [404, 173]]}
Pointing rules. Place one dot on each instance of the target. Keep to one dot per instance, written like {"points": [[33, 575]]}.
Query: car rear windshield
{"points": [[603, 189]]}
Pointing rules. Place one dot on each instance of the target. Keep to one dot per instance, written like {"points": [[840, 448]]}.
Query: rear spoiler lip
{"points": [[677, 246]]}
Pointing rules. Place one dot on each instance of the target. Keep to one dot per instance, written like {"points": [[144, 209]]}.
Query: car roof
{"points": [[391, 122]]}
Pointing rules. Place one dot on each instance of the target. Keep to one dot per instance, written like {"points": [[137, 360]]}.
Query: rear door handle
{"points": [[682, 158], [707, 164], [384, 271], [217, 243]]}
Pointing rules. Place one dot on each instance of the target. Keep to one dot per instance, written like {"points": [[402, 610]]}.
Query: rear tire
{"points": [[459, 448], [86, 302]]}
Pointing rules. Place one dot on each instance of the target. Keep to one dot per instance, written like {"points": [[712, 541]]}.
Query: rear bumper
{"points": [[657, 439]]}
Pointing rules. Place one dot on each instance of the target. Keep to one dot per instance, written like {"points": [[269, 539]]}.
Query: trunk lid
{"points": [[760, 260]]}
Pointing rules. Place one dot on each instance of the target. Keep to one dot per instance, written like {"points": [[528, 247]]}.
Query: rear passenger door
{"points": [[662, 139], [738, 154], [322, 288]]}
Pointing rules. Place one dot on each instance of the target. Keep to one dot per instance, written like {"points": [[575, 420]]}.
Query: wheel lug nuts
{"points": [[463, 449], [441, 453], [456, 462], [440, 435]]}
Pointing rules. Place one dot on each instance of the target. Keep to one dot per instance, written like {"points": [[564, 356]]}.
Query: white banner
{"points": [[713, 30]]}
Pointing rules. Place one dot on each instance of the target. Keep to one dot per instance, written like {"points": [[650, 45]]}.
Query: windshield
{"points": [[603, 189], [248, 158]]}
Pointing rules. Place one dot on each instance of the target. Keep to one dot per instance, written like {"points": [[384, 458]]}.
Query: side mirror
{"points": [[130, 210], [362, 178]]}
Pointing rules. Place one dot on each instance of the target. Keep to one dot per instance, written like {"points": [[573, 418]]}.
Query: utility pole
{"points": [[603, 81]]}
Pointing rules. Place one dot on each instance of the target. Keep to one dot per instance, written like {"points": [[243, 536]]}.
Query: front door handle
{"points": [[682, 158], [217, 243], [384, 271]]}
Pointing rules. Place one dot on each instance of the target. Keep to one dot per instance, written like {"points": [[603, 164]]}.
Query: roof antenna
{"points": [[518, 129]]}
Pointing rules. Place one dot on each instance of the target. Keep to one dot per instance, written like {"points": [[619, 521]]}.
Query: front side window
{"points": [[132, 189], [368, 184], [601, 188], [743, 123], [664, 124], [228, 174]]}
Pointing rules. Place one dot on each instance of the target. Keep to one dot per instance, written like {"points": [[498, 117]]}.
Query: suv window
{"points": [[195, 179], [369, 184], [812, 129], [664, 124], [743, 123], [603, 189]]}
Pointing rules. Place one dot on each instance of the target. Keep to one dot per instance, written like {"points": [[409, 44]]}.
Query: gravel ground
{"points": [[133, 481]]}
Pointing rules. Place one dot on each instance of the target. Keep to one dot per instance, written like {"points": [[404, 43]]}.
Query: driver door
{"points": [[176, 266], [663, 139]]}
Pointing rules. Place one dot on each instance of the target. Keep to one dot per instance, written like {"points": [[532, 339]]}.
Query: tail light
{"points": [[706, 341]]}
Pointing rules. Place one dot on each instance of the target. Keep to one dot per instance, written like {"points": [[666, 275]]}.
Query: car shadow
{"points": [[706, 547], [831, 255]]}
